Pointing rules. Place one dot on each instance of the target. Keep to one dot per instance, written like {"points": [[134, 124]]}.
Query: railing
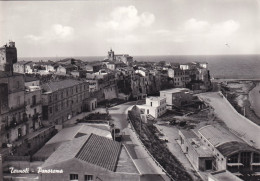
{"points": [[15, 123], [13, 109], [36, 104]]}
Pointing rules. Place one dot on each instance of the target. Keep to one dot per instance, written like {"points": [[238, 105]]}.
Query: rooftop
{"points": [[196, 144], [175, 90], [70, 133], [66, 151], [54, 86], [30, 79], [23, 62], [4, 74], [156, 98], [93, 149], [230, 148], [218, 135], [100, 151], [224, 175]]}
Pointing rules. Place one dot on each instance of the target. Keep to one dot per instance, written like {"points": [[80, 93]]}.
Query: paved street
{"points": [[238, 124], [141, 158]]}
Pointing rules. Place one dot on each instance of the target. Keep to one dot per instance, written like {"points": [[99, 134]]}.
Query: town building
{"points": [[93, 66], [21, 66], [230, 152], [176, 97], [31, 81], [154, 106], [92, 158], [13, 118], [124, 58], [8, 56], [64, 99], [198, 154], [65, 69], [33, 101]]}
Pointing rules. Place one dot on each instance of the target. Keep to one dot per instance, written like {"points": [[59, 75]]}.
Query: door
{"points": [[208, 164]]}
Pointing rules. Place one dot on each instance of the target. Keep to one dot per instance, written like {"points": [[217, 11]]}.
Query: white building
{"points": [[177, 96], [154, 106], [184, 66]]}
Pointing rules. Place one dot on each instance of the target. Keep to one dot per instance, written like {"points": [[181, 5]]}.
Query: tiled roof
{"points": [[100, 151], [91, 148], [54, 86]]}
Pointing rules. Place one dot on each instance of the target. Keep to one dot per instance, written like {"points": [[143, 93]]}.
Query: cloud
{"points": [[204, 28], [62, 31], [125, 39], [126, 19], [196, 26], [56, 32]]}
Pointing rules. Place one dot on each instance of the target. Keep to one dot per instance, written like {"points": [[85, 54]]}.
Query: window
{"points": [[50, 110], [18, 100], [34, 100], [88, 177], [74, 177], [256, 158]]}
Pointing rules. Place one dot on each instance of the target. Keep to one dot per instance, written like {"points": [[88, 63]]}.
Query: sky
{"points": [[141, 27]]}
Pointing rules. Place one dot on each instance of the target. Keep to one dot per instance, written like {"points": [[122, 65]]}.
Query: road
{"points": [[238, 124], [144, 163]]}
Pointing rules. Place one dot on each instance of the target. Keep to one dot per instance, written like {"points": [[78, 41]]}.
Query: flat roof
{"points": [[4, 74], [57, 85], [175, 90], [70, 133], [224, 175], [156, 98], [30, 79], [197, 145]]}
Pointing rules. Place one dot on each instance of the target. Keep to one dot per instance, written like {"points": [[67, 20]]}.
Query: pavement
{"points": [[172, 134], [145, 164], [237, 124]]}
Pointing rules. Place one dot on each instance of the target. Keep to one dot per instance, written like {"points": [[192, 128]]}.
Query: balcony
{"points": [[36, 104], [15, 123], [17, 108]]}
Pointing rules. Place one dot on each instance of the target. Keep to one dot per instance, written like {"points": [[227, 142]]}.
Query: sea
{"points": [[220, 66]]}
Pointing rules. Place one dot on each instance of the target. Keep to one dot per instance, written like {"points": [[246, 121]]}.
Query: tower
{"points": [[8, 56], [111, 55]]}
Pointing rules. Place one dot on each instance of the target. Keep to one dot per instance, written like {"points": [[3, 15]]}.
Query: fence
{"points": [[157, 163]]}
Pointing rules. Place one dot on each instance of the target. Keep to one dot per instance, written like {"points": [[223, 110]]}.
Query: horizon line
{"points": [[137, 55]]}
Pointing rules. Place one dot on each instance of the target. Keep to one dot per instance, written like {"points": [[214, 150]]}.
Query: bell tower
{"points": [[8, 56]]}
